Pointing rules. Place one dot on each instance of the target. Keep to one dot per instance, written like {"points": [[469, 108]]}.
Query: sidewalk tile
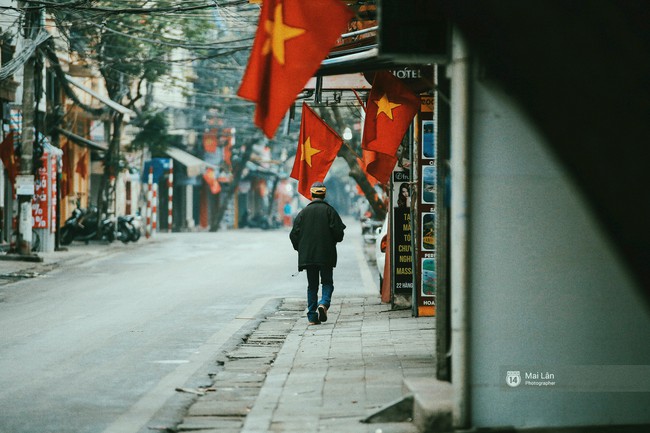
{"points": [[327, 378]]}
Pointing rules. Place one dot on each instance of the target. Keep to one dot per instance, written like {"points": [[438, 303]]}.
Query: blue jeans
{"points": [[316, 274]]}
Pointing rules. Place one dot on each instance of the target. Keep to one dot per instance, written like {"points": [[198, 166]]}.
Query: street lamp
{"points": [[347, 134]]}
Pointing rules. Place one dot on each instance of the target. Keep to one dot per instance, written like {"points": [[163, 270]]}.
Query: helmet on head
{"points": [[318, 190]]}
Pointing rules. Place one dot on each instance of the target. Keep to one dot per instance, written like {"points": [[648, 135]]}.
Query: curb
{"points": [[224, 404]]}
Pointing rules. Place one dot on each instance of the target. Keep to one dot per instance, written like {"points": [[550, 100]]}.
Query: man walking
{"points": [[316, 231]]}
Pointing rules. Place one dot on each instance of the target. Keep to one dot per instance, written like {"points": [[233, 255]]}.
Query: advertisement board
{"points": [[427, 166], [401, 235]]}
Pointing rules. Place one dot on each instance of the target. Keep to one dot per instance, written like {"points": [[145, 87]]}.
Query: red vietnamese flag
{"points": [[293, 37], [82, 167], [390, 109], [378, 166], [8, 156], [210, 142], [318, 145], [210, 178], [66, 171]]}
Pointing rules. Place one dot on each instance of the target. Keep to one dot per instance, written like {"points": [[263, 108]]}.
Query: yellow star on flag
{"points": [[306, 151], [278, 33], [385, 106]]}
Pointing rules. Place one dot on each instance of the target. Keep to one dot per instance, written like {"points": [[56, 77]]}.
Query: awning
{"points": [[195, 166], [366, 60], [258, 170], [81, 140], [106, 100]]}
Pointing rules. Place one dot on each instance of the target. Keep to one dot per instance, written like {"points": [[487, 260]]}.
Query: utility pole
{"points": [[25, 181]]}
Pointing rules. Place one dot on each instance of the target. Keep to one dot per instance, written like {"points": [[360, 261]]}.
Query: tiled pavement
{"points": [[291, 377]]}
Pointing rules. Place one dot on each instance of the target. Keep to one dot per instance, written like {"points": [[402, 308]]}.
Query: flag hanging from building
{"points": [[8, 156], [318, 145], [390, 109], [292, 39], [210, 178], [66, 171], [82, 166], [376, 164], [210, 141]]}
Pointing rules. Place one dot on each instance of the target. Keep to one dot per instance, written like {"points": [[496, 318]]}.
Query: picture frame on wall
{"points": [[429, 184], [428, 231], [428, 277], [428, 139]]}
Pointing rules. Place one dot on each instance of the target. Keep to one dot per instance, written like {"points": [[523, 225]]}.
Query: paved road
{"points": [[99, 345]]}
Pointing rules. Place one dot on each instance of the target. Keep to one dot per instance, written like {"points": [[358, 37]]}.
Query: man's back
{"points": [[316, 230]]}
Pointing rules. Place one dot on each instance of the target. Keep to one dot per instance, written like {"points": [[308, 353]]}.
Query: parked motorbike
{"points": [[128, 229], [86, 225], [369, 229], [262, 222]]}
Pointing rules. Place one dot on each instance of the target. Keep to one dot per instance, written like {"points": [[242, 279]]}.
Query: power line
{"points": [[170, 44], [81, 5]]}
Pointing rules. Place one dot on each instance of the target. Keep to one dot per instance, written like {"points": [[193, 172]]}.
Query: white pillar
{"points": [[189, 200], [460, 320]]}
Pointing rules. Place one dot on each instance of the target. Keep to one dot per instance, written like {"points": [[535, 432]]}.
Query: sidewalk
{"points": [[13, 268], [292, 377]]}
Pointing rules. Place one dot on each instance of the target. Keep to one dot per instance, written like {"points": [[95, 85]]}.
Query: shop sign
{"points": [[24, 185], [401, 234], [427, 210]]}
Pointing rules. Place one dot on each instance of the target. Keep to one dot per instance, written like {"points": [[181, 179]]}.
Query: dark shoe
{"points": [[317, 322], [322, 313]]}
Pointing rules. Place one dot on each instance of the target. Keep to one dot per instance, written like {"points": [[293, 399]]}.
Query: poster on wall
{"points": [[40, 202], [53, 191], [429, 184], [429, 277], [401, 232], [427, 169], [428, 231], [402, 196], [428, 139]]}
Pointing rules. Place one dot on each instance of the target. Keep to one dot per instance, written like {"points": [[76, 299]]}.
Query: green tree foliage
{"points": [[153, 133], [132, 45]]}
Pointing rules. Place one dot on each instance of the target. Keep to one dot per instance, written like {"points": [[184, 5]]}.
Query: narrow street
{"points": [[100, 342]]}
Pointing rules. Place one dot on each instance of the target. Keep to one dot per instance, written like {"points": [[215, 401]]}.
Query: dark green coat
{"points": [[316, 231]]}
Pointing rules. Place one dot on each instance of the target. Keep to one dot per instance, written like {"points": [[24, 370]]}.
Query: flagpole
{"points": [[319, 89], [351, 149]]}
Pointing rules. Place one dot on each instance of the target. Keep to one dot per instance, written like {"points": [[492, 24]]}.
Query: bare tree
{"points": [[333, 117]]}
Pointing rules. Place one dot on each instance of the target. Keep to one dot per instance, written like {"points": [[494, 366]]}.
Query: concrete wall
{"points": [[547, 293]]}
